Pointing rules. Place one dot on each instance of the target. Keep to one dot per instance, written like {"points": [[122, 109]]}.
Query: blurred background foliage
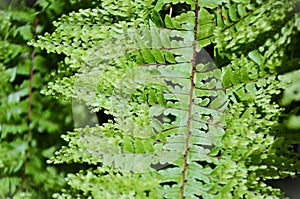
{"points": [[30, 123]]}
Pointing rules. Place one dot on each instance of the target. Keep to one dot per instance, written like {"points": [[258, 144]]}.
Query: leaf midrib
{"points": [[190, 111]]}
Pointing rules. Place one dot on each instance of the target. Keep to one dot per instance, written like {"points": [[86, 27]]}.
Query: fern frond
{"points": [[201, 130]]}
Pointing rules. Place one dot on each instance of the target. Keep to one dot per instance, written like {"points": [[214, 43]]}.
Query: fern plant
{"points": [[30, 123], [183, 126]]}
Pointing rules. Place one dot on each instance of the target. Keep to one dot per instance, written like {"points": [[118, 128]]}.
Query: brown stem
{"points": [[171, 10], [29, 109], [190, 111]]}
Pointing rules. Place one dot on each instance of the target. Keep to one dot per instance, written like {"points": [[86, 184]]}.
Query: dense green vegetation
{"points": [[30, 123], [173, 120]]}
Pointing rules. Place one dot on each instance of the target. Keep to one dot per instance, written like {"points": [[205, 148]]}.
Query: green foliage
{"points": [[30, 123], [85, 29], [222, 129]]}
